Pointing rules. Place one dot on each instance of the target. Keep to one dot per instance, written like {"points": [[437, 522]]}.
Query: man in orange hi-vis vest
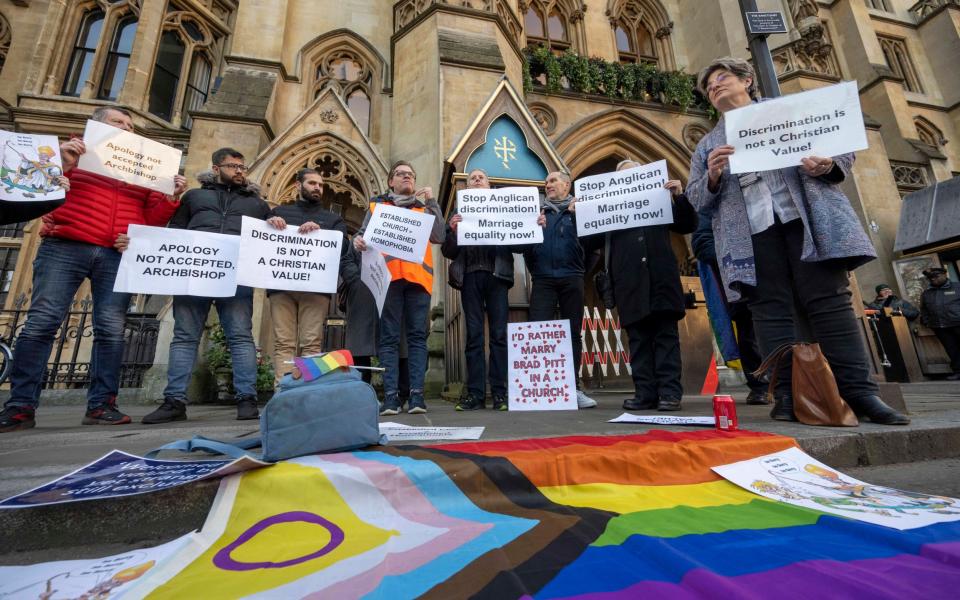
{"points": [[408, 298]]}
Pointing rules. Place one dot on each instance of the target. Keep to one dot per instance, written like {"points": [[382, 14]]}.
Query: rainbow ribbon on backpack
{"points": [[313, 367]]}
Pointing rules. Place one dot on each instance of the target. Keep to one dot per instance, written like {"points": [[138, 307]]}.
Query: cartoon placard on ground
{"points": [[796, 478], [540, 359], [30, 168]]}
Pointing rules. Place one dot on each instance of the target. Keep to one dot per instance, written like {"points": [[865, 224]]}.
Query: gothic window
{"points": [[84, 51], [101, 48], [928, 132], [641, 32], [5, 39], [117, 59], [351, 77], [898, 59], [552, 23]]}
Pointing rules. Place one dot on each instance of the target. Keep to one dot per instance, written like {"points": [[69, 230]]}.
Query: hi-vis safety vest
{"points": [[417, 273]]}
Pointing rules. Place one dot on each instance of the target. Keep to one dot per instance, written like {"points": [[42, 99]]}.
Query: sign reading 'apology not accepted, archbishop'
{"points": [[500, 216], [778, 133], [288, 260], [623, 199], [178, 262], [129, 157], [399, 232]]}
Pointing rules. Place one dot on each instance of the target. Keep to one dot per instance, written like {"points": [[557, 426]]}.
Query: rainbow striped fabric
{"points": [[317, 366], [639, 516]]}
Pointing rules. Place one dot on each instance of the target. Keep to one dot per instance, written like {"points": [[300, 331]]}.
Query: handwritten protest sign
{"points": [[30, 167], [398, 432], [778, 133], [501, 216], [118, 474], [623, 199], [178, 262], [540, 358], [399, 232], [129, 157], [375, 275], [663, 420], [288, 260]]}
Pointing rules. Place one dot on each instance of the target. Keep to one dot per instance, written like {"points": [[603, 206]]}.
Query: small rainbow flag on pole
{"points": [[313, 367]]}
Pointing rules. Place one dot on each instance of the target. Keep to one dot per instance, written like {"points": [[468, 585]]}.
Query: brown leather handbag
{"points": [[816, 399]]}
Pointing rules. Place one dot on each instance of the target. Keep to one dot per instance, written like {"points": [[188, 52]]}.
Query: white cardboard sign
{"points": [[375, 275], [778, 133], [500, 216], [178, 262], [540, 360], [399, 232], [663, 420], [623, 199], [129, 157], [794, 477], [288, 260], [397, 432], [30, 166]]}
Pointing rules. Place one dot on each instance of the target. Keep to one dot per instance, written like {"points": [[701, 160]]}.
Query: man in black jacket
{"points": [[298, 317], [940, 311], [483, 274], [218, 206], [887, 299]]}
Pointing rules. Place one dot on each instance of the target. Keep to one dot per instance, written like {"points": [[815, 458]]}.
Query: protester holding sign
{"points": [[557, 266], [218, 206], [782, 233], [408, 299], [484, 275], [646, 287], [298, 317], [78, 243]]}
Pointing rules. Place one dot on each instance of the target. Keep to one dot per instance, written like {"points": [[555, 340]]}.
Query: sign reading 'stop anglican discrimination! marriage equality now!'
{"points": [[178, 262], [30, 167], [399, 232], [288, 260], [129, 157], [540, 360], [778, 133], [623, 199], [500, 216]]}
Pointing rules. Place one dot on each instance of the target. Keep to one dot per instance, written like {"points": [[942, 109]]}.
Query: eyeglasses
{"points": [[234, 166], [720, 79], [405, 174]]}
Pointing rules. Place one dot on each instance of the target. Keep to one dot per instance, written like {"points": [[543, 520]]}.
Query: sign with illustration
{"points": [[31, 167]]}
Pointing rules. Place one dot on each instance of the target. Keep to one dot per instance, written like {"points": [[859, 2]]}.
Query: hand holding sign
{"points": [[497, 217], [630, 198], [398, 232], [130, 158]]}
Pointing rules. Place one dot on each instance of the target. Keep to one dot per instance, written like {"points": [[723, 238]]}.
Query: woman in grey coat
{"points": [[784, 235]]}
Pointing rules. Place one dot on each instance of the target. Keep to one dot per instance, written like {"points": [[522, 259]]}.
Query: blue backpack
{"points": [[333, 413]]}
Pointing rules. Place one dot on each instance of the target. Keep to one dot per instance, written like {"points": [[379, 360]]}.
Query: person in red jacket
{"points": [[82, 240]]}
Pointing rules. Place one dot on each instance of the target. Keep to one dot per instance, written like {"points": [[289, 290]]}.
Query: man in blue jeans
{"points": [[218, 206]]}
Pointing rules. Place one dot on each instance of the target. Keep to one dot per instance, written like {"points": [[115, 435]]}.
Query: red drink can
{"points": [[725, 413]]}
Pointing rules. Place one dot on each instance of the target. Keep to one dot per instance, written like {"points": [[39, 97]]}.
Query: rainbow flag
{"points": [[639, 516], [313, 367]]}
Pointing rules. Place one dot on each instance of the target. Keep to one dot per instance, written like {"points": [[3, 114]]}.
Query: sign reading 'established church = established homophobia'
{"points": [[500, 216]]}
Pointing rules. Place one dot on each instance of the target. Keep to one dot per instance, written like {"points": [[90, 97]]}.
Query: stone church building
{"points": [[519, 87]]}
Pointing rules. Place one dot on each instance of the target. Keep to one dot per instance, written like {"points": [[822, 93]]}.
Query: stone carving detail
{"points": [[813, 52], [909, 177], [692, 134], [923, 9], [176, 19], [664, 31], [6, 36], [329, 116], [545, 116], [406, 11]]}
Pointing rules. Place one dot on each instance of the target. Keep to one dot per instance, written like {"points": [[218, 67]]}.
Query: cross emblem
{"points": [[505, 150]]}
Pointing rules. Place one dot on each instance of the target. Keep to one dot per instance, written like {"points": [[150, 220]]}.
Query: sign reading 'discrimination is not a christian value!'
{"points": [[623, 199], [500, 216], [288, 260]]}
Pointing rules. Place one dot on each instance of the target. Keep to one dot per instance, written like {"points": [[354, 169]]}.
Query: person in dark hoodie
{"points": [[484, 275], [218, 206], [408, 298], [298, 317]]}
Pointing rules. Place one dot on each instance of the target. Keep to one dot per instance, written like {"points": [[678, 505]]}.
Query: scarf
{"points": [[557, 207]]}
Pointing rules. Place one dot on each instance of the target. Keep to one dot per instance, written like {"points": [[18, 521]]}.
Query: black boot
{"points": [[873, 408], [783, 408]]}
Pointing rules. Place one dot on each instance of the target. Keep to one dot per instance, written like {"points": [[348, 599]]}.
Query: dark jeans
{"points": [[190, 315], [484, 293], [567, 292], [750, 358], [823, 291], [655, 363], [407, 305], [950, 338], [59, 269]]}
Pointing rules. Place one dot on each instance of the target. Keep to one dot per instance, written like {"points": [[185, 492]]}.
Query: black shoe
{"points": [[783, 408], [873, 408], [171, 410], [500, 403], [15, 418], [758, 398], [639, 404], [471, 402], [247, 408], [668, 403], [391, 406], [953, 377], [105, 414], [416, 406]]}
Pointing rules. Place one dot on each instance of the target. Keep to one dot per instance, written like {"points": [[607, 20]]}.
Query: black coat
{"points": [[940, 307], [219, 208], [644, 270], [500, 256]]}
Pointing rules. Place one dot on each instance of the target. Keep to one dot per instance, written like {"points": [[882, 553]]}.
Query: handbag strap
{"points": [[772, 362], [198, 442]]}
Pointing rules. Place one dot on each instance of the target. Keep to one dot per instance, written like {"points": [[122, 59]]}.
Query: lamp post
{"points": [[762, 59]]}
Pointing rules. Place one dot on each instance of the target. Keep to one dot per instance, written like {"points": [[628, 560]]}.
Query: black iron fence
{"points": [[69, 362]]}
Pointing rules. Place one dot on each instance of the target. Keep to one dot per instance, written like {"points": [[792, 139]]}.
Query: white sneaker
{"points": [[585, 401]]}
